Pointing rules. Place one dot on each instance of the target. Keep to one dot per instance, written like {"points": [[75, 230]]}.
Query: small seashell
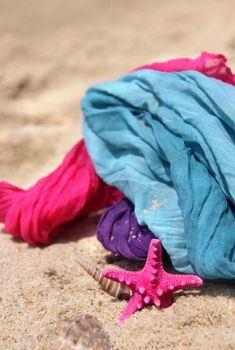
{"points": [[84, 333], [115, 289]]}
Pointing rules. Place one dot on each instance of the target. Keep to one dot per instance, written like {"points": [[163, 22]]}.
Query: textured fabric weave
{"points": [[166, 140], [210, 64], [38, 214], [112, 232], [119, 232]]}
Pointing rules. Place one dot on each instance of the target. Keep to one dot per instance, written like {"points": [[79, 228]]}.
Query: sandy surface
{"points": [[50, 52]]}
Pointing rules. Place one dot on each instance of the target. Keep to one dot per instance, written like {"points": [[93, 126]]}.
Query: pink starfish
{"points": [[152, 284]]}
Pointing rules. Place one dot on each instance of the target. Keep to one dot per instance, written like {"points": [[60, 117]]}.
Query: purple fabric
{"points": [[119, 231]]}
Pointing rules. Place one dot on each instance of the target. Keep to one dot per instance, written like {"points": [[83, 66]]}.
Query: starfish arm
{"points": [[119, 275], [176, 282], [133, 305], [154, 258]]}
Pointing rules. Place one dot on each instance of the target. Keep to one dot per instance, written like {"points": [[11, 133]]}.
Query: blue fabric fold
{"points": [[166, 140]]}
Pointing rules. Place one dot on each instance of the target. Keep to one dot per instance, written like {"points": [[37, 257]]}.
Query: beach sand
{"points": [[50, 52]]}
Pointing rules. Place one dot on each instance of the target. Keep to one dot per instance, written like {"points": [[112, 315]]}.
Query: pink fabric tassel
{"points": [[38, 214]]}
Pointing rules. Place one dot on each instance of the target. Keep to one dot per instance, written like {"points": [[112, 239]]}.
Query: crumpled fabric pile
{"points": [[159, 149]]}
